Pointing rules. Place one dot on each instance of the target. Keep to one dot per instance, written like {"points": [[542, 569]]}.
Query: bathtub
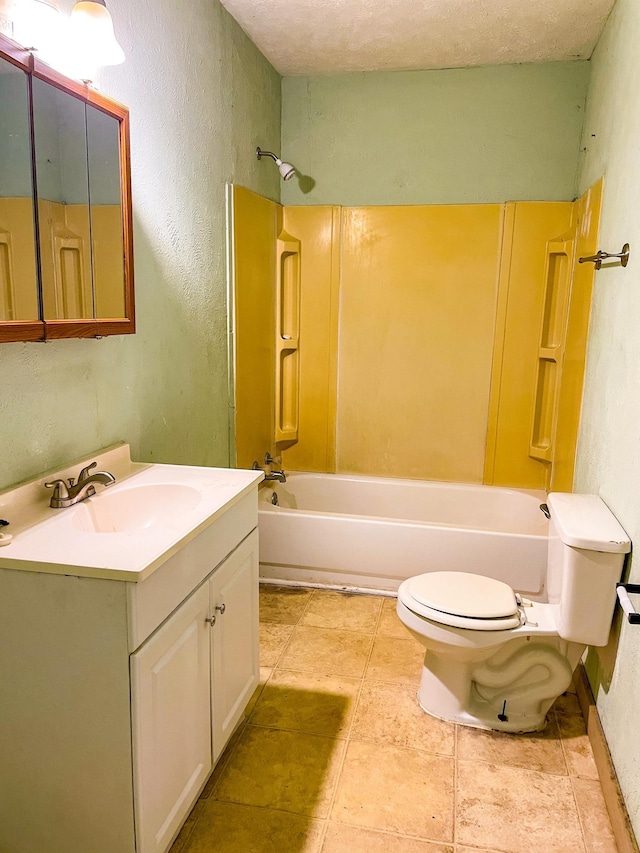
{"points": [[372, 533]]}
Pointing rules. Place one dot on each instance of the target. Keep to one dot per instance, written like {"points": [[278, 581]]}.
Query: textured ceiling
{"points": [[330, 36]]}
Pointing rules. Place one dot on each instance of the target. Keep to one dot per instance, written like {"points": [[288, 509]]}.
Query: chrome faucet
{"points": [[68, 493], [270, 475]]}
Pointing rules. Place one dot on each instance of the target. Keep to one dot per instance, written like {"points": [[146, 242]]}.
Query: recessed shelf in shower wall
{"points": [[287, 337], [551, 348]]}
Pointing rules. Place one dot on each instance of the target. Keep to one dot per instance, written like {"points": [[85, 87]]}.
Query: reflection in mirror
{"points": [[18, 288], [63, 203], [103, 141]]}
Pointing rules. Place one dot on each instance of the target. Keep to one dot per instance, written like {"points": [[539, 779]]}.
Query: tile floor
{"points": [[335, 756]]}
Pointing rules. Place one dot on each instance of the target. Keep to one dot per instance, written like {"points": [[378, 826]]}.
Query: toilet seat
{"points": [[462, 600]]}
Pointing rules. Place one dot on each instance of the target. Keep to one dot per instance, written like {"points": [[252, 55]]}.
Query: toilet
{"points": [[495, 660]]}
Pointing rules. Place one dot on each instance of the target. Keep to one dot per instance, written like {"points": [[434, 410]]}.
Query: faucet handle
{"points": [[60, 490], [85, 472]]}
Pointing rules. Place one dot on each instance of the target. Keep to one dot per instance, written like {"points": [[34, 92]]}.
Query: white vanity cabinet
{"points": [[190, 682], [235, 648], [171, 718], [118, 687]]}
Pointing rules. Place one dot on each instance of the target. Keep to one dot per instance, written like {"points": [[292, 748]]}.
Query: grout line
{"points": [[424, 839], [349, 730], [455, 784], [571, 778], [579, 814], [285, 647], [328, 628], [323, 831], [561, 740]]}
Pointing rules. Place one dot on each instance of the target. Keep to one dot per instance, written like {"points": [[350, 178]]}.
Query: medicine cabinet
{"points": [[66, 242]]}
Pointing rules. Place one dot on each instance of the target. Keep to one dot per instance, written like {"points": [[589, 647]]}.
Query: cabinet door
{"points": [[234, 639], [171, 722]]}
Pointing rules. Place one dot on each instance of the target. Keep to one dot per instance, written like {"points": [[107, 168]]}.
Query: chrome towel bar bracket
{"points": [[623, 590], [601, 256]]}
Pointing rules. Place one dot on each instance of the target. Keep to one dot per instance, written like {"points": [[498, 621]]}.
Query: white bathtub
{"points": [[372, 532]]}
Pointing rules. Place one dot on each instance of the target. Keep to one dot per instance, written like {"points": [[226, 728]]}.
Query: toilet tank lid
{"points": [[585, 521]]}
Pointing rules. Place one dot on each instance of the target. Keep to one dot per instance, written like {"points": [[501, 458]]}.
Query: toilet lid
{"points": [[464, 594]]}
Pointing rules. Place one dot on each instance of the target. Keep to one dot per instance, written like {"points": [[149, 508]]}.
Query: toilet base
{"points": [[509, 691], [489, 721]]}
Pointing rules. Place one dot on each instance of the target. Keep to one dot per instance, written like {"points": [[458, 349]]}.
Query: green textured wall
{"points": [[201, 98], [609, 445], [474, 135]]}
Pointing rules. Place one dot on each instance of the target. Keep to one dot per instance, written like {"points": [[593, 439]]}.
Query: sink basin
{"points": [[134, 509]]}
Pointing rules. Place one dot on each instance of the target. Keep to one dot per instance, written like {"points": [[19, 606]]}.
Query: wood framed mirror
{"points": [[20, 311], [73, 145]]}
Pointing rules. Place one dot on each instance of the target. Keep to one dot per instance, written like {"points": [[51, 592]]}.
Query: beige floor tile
{"points": [[341, 838], [507, 808], [343, 610], [389, 624], [231, 828], [539, 751], [327, 651], [396, 790], [283, 604], [389, 713], [395, 660], [288, 771], [576, 745], [265, 675], [303, 702], [273, 639], [598, 834]]}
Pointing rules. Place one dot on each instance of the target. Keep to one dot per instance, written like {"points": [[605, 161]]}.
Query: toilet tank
{"points": [[585, 558]]}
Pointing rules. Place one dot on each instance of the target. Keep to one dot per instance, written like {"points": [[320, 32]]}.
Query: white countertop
{"points": [[54, 541]]}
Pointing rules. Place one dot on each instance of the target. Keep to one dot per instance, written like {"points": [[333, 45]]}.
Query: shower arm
{"points": [[262, 153]]}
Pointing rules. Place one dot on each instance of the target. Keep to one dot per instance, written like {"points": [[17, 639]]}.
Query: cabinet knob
{"points": [[211, 620], [221, 608]]}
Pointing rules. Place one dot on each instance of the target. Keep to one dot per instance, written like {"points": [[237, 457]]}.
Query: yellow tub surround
{"points": [[127, 530], [436, 342]]}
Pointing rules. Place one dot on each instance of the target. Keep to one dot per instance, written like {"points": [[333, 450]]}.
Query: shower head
{"points": [[286, 169]]}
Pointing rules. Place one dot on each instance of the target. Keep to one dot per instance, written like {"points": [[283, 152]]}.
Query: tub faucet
{"points": [[69, 493], [270, 475]]}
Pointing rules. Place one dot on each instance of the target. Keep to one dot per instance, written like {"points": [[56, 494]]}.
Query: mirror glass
{"points": [[60, 138], [18, 288], [107, 236]]}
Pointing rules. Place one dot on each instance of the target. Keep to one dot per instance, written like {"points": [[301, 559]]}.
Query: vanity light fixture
{"points": [[39, 26], [91, 31], [286, 169]]}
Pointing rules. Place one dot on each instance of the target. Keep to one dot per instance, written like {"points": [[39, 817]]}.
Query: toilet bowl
{"points": [[495, 660]]}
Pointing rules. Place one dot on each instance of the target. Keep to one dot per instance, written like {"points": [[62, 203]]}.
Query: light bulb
{"points": [[91, 34], [38, 24]]}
